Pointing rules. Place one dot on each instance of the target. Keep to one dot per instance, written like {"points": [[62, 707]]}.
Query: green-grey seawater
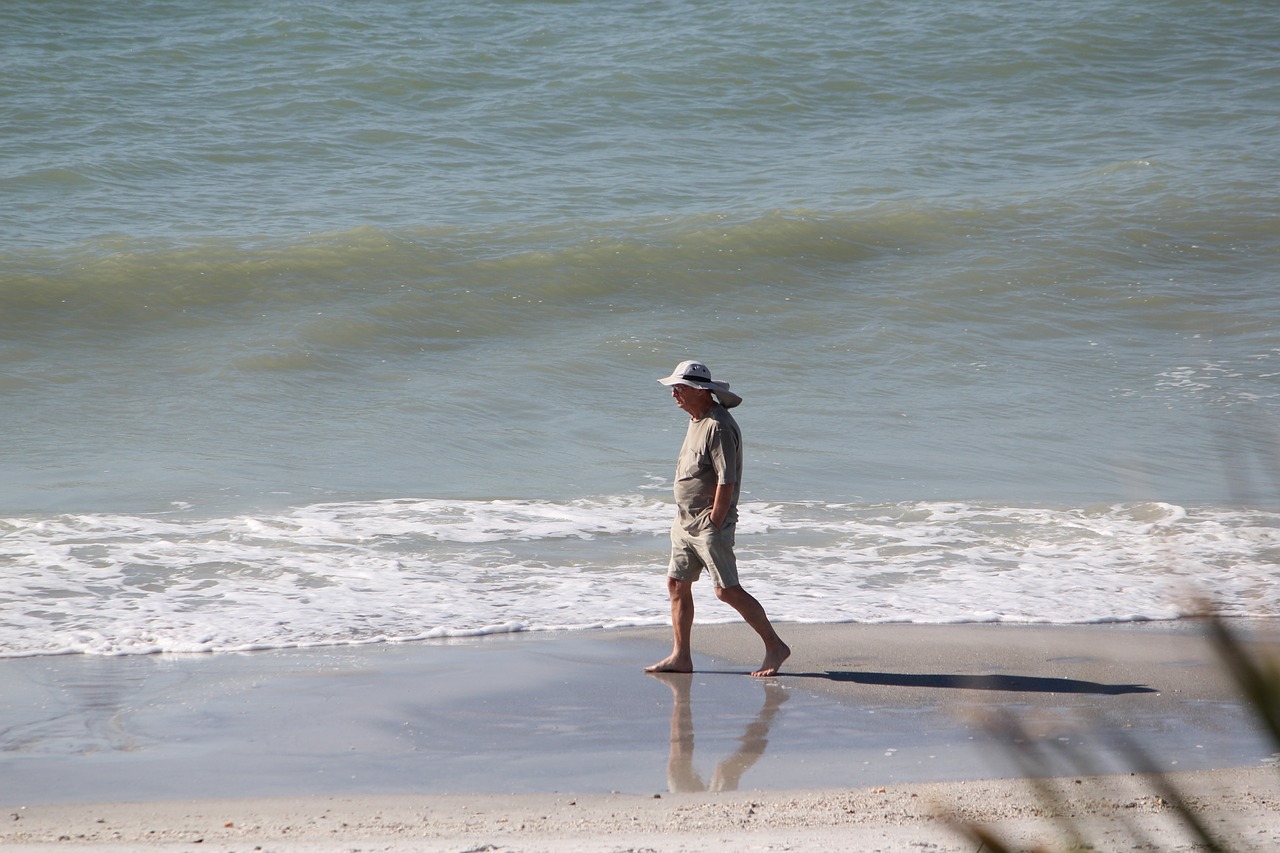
{"points": [[1001, 264]]}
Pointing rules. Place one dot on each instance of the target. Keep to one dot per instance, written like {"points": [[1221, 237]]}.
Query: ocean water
{"points": [[326, 323]]}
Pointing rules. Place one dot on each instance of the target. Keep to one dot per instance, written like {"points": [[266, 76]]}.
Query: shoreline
{"points": [[454, 745]]}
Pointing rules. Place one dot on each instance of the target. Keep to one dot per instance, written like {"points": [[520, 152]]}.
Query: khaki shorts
{"points": [[711, 549]]}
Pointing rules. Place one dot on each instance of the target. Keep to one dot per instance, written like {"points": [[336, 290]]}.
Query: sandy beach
{"points": [[559, 742]]}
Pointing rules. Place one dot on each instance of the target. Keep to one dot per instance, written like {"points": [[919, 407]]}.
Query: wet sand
{"points": [[873, 730]]}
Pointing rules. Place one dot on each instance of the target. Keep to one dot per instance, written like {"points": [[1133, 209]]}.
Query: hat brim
{"points": [[719, 390]]}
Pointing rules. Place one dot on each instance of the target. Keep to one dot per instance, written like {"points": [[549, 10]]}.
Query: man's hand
{"points": [[721, 503]]}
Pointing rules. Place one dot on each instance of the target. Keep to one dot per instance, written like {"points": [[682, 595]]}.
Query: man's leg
{"points": [[681, 659], [775, 651]]}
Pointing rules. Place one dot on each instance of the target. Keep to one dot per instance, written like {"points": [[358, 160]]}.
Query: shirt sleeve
{"points": [[722, 448]]}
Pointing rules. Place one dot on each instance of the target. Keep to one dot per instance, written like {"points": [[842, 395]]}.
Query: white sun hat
{"points": [[695, 374]]}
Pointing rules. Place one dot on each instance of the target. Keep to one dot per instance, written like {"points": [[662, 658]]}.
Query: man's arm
{"points": [[720, 505]]}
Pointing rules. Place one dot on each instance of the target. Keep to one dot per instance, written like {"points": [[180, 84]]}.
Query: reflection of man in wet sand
{"points": [[707, 485], [681, 776]]}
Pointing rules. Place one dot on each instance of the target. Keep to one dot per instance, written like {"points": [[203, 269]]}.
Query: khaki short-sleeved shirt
{"points": [[711, 455]]}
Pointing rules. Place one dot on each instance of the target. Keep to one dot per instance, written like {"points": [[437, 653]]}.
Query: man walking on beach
{"points": [[708, 482]]}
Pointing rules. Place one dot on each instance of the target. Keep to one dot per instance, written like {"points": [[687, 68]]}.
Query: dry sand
{"points": [[881, 725], [1243, 807]]}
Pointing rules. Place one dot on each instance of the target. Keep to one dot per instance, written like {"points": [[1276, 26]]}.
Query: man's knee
{"points": [[678, 588], [729, 594]]}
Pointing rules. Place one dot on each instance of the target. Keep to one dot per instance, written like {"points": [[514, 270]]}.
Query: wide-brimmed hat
{"points": [[695, 374]]}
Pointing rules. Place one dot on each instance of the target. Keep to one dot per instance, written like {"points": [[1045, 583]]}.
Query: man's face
{"points": [[695, 401]]}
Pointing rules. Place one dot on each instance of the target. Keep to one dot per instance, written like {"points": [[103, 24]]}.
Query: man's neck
{"points": [[699, 415]]}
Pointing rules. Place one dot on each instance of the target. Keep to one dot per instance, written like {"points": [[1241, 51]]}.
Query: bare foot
{"points": [[680, 685], [773, 659], [671, 664]]}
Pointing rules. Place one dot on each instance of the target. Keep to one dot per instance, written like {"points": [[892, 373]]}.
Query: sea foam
{"points": [[404, 570]]}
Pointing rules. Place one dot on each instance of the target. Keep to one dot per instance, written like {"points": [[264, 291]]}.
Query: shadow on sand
{"points": [[1007, 683]]}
